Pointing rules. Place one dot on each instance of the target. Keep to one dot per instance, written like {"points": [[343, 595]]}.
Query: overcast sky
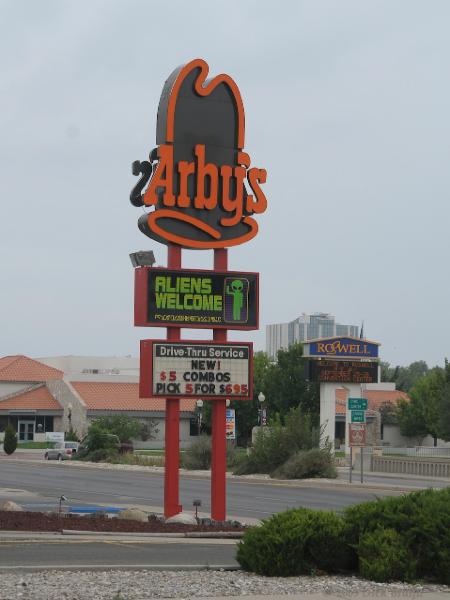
{"points": [[347, 107]]}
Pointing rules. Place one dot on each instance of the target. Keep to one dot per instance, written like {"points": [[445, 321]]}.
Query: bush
{"points": [[422, 519], [198, 456], [124, 427], [148, 429], [384, 556], [276, 444], [317, 462], [299, 541], [10, 440], [102, 455], [98, 438], [71, 435]]}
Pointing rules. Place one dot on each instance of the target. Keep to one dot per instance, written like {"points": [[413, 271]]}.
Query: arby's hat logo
{"points": [[199, 183]]}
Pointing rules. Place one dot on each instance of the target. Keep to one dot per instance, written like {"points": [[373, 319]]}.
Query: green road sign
{"points": [[357, 404], [358, 416]]}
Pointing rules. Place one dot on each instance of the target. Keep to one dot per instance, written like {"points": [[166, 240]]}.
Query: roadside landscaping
{"points": [[38, 521], [403, 538]]}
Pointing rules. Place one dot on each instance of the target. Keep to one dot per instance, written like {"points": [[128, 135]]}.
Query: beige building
{"points": [[56, 393]]}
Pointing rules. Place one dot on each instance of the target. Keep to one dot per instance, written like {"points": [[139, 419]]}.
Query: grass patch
{"points": [[35, 445]]}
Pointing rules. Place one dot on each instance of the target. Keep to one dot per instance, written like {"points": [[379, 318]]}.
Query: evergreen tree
{"points": [[10, 441]]}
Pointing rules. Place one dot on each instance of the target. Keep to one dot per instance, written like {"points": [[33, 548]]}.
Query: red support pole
{"points": [[219, 442], [172, 421]]}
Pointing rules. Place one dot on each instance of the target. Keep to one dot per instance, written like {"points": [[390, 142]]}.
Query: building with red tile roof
{"points": [[23, 368], [116, 396]]}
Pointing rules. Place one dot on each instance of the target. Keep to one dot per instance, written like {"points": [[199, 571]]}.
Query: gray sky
{"points": [[347, 107]]}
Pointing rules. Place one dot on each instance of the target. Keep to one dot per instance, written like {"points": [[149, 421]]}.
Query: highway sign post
{"points": [[357, 404], [357, 438], [358, 416]]}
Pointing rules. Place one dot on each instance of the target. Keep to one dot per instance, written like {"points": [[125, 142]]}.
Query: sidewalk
{"points": [[399, 594]]}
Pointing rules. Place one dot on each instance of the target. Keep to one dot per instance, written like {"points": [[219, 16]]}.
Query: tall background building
{"points": [[303, 328]]}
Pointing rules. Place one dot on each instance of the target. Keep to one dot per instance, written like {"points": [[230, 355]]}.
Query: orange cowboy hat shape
{"points": [[200, 184]]}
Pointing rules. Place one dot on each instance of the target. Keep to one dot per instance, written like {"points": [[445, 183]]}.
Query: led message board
{"points": [[198, 182], [191, 369], [343, 371], [341, 347], [203, 299]]}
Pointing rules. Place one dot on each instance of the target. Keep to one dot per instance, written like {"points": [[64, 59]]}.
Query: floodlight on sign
{"points": [[142, 258]]}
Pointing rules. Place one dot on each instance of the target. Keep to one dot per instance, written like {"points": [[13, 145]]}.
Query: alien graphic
{"points": [[236, 292]]}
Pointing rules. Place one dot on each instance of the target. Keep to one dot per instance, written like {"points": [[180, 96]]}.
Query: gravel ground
{"points": [[143, 585]]}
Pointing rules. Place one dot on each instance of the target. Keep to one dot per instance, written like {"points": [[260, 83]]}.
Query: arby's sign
{"points": [[199, 184]]}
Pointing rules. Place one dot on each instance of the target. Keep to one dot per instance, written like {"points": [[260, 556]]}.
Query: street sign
{"points": [[357, 434], [358, 416], [357, 404]]}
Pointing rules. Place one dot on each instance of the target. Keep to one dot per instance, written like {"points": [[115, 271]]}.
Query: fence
{"points": [[418, 451], [429, 468]]}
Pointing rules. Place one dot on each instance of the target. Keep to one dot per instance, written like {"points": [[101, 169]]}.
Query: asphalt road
{"points": [[123, 553], [44, 483]]}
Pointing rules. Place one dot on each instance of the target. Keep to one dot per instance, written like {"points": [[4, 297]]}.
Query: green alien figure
{"points": [[235, 290]]}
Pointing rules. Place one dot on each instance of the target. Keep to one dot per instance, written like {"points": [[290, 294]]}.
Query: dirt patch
{"points": [[38, 521]]}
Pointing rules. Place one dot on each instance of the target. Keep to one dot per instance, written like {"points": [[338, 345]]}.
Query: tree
{"points": [[123, 426], [443, 406], [288, 387], [426, 413], [411, 419], [246, 410], [99, 438], [10, 440], [404, 378]]}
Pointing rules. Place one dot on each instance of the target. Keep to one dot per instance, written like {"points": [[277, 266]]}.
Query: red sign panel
{"points": [[357, 434], [195, 369]]}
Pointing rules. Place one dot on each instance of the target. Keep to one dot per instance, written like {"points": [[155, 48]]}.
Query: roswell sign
{"points": [[198, 182], [341, 347]]}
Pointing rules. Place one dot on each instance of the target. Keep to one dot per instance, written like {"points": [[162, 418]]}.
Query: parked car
{"points": [[61, 451]]}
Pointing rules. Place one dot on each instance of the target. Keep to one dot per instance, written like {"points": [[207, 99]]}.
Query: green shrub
{"points": [[102, 455], [422, 519], [317, 462], [384, 556], [198, 456], [274, 445], [10, 440], [71, 435], [124, 427], [98, 438], [299, 541]]}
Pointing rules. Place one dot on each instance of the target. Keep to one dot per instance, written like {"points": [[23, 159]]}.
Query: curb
{"points": [[14, 535], [224, 535], [34, 568]]}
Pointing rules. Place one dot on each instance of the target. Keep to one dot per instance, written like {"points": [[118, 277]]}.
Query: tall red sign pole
{"points": [[172, 422], [203, 194], [219, 442]]}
